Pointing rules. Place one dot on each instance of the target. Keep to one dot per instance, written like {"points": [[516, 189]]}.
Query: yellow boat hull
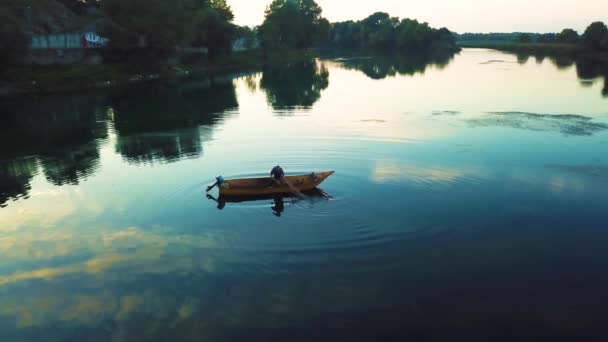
{"points": [[268, 186]]}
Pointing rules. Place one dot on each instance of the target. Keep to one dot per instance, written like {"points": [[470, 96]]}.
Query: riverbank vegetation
{"points": [[293, 24], [13, 40], [592, 43], [381, 32], [161, 25], [168, 38], [51, 79]]}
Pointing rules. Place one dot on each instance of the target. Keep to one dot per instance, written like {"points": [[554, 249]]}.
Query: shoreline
{"points": [[48, 80]]}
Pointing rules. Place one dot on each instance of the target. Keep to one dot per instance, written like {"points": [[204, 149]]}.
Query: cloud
{"points": [[389, 171], [39, 274], [128, 306]]}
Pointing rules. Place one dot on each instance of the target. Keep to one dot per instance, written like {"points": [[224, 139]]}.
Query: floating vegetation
{"points": [[567, 124], [446, 112], [494, 61], [374, 120]]}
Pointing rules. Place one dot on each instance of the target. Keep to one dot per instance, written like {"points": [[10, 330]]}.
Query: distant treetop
{"points": [[380, 31]]}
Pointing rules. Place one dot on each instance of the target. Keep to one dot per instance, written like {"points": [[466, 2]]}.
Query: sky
{"points": [[457, 15]]}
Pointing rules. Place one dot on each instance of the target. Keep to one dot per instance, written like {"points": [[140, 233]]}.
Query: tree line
{"points": [[159, 26], [154, 29], [382, 32], [594, 38]]}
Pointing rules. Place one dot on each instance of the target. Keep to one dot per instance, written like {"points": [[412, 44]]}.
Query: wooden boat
{"points": [[268, 186]]}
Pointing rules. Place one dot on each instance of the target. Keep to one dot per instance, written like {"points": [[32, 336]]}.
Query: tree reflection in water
{"points": [[378, 67], [59, 134], [161, 123], [294, 86]]}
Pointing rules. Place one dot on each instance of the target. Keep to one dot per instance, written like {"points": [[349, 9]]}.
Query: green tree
{"points": [[248, 35], [293, 24], [322, 31], [13, 40], [596, 36], [213, 27], [151, 24], [384, 33], [525, 38], [379, 30], [160, 26], [567, 36], [545, 37]]}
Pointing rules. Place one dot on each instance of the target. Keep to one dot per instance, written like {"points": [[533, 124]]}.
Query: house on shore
{"points": [[81, 46]]}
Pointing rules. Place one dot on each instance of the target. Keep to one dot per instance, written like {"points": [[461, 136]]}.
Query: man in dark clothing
{"points": [[277, 173]]}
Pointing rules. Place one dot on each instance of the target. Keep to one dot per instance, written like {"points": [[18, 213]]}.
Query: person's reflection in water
{"points": [[279, 206], [221, 203]]}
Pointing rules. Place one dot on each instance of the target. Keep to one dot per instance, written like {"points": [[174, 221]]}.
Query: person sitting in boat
{"points": [[277, 174]]}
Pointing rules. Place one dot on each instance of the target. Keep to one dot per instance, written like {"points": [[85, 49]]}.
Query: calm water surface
{"points": [[469, 200]]}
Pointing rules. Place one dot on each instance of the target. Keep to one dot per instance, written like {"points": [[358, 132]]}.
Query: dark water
{"points": [[469, 202]]}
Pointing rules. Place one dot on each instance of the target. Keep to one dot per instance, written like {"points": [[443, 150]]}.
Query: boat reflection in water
{"points": [[278, 200]]}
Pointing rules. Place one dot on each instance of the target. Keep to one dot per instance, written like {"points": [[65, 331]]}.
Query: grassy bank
{"points": [[53, 79]]}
